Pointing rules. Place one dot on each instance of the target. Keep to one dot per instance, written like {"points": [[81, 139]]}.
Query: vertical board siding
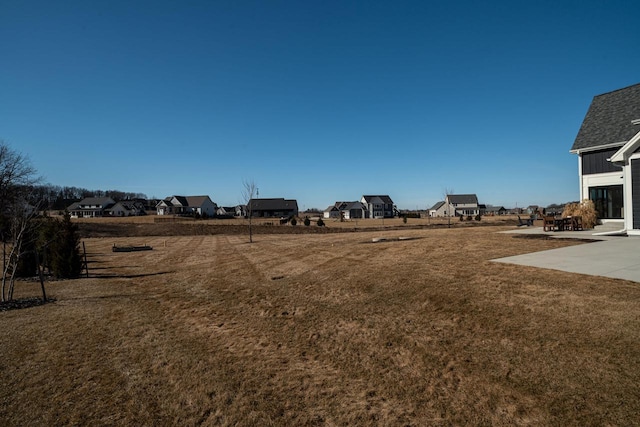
{"points": [[635, 192], [596, 162]]}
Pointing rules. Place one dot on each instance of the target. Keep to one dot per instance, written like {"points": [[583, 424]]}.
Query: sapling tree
{"points": [[248, 193]]}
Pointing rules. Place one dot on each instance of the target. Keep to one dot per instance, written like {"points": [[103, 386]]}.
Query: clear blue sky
{"points": [[313, 100]]}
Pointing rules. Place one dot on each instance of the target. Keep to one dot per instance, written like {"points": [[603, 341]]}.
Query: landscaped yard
{"points": [[323, 329]]}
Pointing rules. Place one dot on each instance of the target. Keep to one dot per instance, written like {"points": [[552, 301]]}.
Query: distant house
{"points": [[532, 209], [439, 209], [187, 205], [495, 210], [126, 208], [331, 212], [272, 208], [232, 211], [380, 206], [457, 205], [91, 207], [347, 210]]}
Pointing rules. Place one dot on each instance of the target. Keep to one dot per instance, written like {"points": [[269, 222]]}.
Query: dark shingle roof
{"points": [[272, 204], [608, 120], [97, 201], [463, 199], [196, 201], [385, 199]]}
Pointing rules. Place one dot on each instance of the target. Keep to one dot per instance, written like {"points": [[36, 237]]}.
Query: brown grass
{"points": [[326, 329]]}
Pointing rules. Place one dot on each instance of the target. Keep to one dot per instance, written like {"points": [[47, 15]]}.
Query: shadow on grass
{"points": [[128, 276], [21, 303]]}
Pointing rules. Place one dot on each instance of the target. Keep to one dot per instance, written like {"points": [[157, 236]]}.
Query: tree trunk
{"points": [[41, 276]]}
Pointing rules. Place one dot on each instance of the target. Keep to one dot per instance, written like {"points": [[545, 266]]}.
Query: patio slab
{"points": [[615, 257]]}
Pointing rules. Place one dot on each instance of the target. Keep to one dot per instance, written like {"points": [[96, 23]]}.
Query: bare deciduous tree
{"points": [[446, 193], [16, 174], [248, 193], [21, 216], [17, 178]]}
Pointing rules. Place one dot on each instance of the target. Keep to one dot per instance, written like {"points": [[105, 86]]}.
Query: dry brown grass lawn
{"points": [[326, 329]]}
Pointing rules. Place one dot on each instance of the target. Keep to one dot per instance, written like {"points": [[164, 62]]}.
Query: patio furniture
{"points": [[549, 223], [576, 223], [528, 222], [563, 223]]}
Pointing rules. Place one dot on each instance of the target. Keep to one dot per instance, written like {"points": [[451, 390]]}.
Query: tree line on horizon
{"points": [[56, 197]]}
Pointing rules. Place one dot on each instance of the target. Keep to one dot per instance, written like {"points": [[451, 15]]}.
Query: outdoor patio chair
{"points": [[528, 222], [549, 223], [576, 223]]}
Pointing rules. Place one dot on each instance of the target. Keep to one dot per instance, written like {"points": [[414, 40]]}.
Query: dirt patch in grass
{"points": [[324, 330]]}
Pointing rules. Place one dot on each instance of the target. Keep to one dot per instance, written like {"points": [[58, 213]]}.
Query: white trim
{"points": [[580, 178], [598, 148], [623, 154]]}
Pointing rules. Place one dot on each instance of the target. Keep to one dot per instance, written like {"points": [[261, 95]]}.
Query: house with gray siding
{"points": [[608, 150], [438, 210], [378, 206], [347, 210], [187, 205], [457, 205]]}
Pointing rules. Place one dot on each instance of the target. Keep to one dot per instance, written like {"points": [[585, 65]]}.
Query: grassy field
{"points": [[324, 329]]}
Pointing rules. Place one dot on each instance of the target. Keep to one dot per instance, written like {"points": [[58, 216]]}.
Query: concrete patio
{"points": [[611, 256]]}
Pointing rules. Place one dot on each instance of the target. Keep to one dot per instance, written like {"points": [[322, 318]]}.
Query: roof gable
{"points": [[608, 120], [197, 201], [627, 150], [383, 198]]}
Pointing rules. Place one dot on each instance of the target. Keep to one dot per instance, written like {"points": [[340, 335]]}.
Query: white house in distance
{"points": [[346, 210], [127, 208], [456, 205], [608, 149], [186, 205], [91, 207]]}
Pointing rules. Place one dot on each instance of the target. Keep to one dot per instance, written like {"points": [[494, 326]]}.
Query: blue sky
{"points": [[316, 101]]}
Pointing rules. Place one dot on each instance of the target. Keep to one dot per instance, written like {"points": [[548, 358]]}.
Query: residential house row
{"points": [[369, 206]]}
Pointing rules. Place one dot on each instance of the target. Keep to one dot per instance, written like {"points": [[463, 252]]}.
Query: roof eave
{"points": [[597, 148]]}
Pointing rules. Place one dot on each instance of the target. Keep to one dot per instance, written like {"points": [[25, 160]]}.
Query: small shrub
{"points": [[585, 209], [404, 219], [293, 221], [469, 218], [307, 221], [461, 218], [478, 217], [320, 222]]}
